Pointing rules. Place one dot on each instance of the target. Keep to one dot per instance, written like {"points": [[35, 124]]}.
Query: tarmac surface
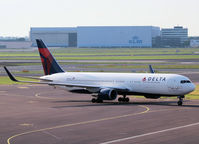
{"points": [[38, 114]]}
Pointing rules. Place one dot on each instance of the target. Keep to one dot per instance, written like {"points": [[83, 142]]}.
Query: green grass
{"points": [[4, 80], [18, 54], [194, 94], [95, 54], [95, 62], [112, 57], [105, 51], [130, 57], [107, 54], [144, 66], [29, 72], [132, 51]]}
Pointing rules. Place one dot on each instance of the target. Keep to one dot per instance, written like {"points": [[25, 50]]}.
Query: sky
{"points": [[17, 16]]}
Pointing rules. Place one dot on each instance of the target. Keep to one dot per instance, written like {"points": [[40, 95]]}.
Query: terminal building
{"points": [[174, 37], [96, 36], [194, 42]]}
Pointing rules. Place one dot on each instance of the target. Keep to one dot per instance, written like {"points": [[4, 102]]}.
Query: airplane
{"points": [[107, 86]]}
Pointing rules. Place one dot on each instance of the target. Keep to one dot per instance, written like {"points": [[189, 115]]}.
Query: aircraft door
{"points": [[173, 85]]}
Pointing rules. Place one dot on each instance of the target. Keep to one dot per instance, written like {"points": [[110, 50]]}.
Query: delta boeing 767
{"points": [[107, 86]]}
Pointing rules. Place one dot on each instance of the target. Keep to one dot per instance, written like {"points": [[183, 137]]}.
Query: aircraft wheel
{"points": [[127, 99], [180, 100], [93, 100], [120, 99], [180, 103], [99, 101]]}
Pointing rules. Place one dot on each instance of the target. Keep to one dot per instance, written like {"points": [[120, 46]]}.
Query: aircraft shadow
{"points": [[89, 104]]}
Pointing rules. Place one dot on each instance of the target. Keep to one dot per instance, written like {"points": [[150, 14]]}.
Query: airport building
{"points": [[55, 37], [194, 43], [174, 37], [96, 36], [116, 36], [15, 44]]}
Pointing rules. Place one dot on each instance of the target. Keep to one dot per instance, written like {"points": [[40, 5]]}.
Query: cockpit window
{"points": [[185, 81]]}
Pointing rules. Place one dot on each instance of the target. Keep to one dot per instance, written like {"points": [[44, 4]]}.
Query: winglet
{"points": [[10, 75], [15, 80], [151, 69]]}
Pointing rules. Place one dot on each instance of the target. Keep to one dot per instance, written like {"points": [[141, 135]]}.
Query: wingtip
{"points": [[10, 75]]}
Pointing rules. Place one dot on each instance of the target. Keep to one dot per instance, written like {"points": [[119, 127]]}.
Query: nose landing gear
{"points": [[180, 102]]}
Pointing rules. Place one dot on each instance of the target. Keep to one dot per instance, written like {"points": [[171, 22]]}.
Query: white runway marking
{"points": [[151, 133], [51, 135]]}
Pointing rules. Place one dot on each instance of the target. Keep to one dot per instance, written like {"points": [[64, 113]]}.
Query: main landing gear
{"points": [[180, 102], [94, 100], [123, 99]]}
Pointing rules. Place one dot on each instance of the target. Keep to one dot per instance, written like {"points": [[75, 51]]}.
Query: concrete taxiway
{"points": [[43, 115]]}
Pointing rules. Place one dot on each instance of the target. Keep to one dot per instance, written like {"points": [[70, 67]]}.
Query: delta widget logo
{"points": [[144, 79]]}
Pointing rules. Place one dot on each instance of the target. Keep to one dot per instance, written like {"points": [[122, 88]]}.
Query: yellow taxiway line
{"points": [[80, 123], [93, 121], [23, 87]]}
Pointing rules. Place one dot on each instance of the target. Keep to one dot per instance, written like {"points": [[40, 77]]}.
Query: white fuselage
{"points": [[160, 84]]}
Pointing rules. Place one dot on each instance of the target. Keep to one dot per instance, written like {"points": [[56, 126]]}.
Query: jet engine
{"points": [[107, 94]]}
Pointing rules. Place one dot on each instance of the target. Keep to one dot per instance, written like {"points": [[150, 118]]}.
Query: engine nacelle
{"points": [[107, 94]]}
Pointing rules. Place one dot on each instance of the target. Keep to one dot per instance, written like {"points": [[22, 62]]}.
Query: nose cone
{"points": [[192, 87]]}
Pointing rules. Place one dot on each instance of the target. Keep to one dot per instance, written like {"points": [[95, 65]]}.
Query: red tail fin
{"points": [[50, 65]]}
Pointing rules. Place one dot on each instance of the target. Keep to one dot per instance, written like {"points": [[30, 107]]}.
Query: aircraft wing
{"points": [[118, 88]]}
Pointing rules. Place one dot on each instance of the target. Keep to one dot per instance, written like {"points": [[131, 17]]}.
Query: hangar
{"points": [[116, 36], [55, 37], [96, 36]]}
